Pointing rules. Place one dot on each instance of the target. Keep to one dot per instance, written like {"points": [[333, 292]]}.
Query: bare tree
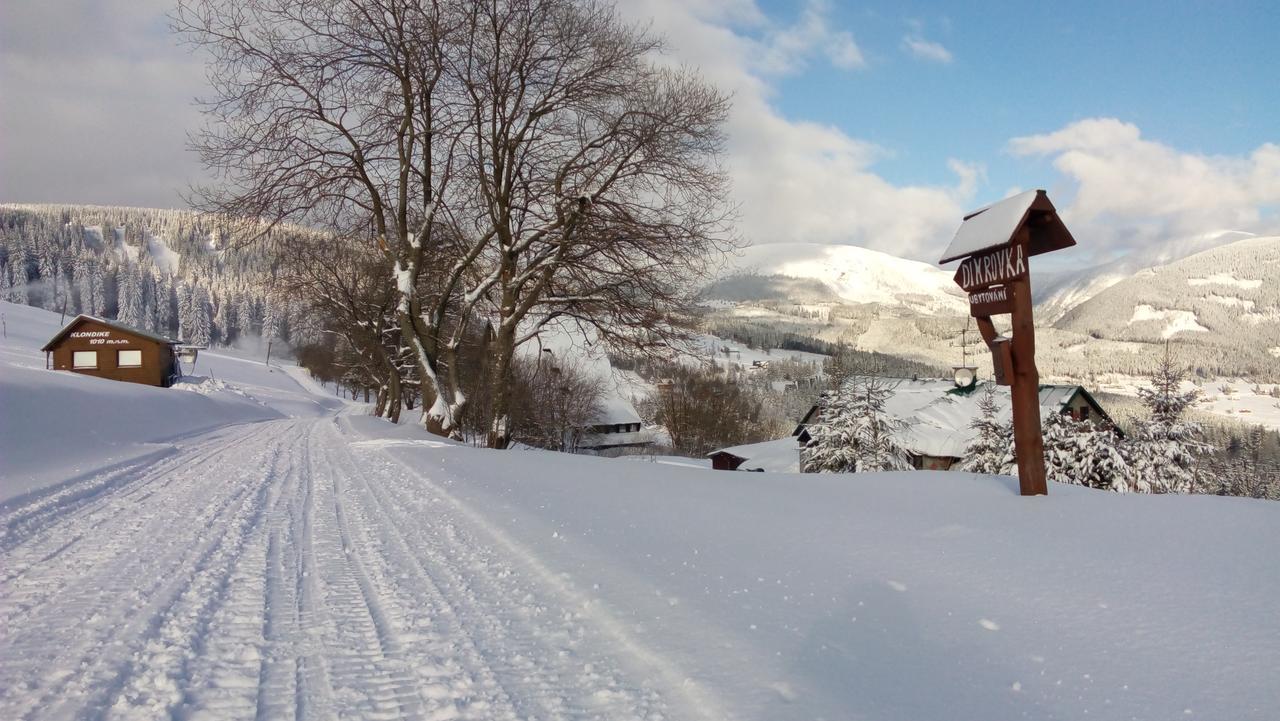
{"points": [[338, 278], [337, 115], [595, 171], [510, 162]]}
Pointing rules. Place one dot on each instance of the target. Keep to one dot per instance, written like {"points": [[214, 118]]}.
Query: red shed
{"points": [[107, 349]]}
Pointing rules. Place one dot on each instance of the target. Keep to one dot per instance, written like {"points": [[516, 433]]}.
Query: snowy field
{"points": [[331, 565], [1236, 399]]}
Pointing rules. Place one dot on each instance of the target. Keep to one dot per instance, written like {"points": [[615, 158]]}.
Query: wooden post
{"points": [[1027, 437]]}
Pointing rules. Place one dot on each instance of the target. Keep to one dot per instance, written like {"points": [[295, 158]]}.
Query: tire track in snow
{"points": [[453, 676], [30, 522], [560, 657], [224, 680], [140, 595]]}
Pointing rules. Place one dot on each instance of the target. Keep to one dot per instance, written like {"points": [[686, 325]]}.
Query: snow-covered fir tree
{"points": [[48, 269], [271, 318], [89, 285], [130, 302], [199, 328], [6, 282], [161, 303], [18, 278], [1164, 448], [1083, 454], [986, 452], [854, 433]]}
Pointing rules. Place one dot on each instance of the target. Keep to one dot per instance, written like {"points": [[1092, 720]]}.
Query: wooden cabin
{"points": [[106, 349]]}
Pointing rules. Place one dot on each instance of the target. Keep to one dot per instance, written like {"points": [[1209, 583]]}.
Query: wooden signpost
{"points": [[994, 245]]}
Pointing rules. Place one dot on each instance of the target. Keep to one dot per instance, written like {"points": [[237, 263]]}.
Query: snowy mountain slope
{"points": [[848, 273], [1056, 294], [1225, 297], [57, 425]]}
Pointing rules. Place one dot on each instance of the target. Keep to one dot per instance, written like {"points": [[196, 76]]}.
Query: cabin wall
{"points": [[725, 462], [157, 358]]}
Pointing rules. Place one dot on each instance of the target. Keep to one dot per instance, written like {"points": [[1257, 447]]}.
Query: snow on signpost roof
{"points": [[995, 225], [990, 227]]}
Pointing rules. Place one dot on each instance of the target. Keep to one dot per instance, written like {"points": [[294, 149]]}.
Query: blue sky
{"points": [[865, 123], [1202, 77]]}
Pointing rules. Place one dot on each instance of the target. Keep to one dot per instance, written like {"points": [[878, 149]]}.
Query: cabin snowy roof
{"points": [[777, 456], [995, 225], [937, 417], [580, 349], [57, 338]]}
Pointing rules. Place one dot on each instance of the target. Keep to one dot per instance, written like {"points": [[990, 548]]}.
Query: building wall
{"points": [[725, 462], [157, 358]]}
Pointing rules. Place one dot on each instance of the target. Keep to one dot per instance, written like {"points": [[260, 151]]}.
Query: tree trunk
{"points": [[500, 387]]}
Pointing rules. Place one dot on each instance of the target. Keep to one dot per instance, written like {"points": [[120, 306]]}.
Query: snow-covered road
{"points": [[268, 570]]}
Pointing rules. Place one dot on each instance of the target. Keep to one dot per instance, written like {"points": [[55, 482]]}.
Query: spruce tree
{"points": [[855, 433], [986, 452], [1164, 449], [130, 302]]}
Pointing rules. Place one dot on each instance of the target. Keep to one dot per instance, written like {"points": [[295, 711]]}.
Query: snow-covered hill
{"points": [[1227, 297], [847, 273], [1056, 294]]}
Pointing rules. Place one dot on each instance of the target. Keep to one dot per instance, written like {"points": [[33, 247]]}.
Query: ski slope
{"points": [[331, 565]]}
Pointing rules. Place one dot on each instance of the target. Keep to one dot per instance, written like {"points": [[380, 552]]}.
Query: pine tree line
{"points": [[158, 270]]}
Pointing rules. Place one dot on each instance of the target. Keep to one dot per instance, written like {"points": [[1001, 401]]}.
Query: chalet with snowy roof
{"points": [[777, 456], [107, 349], [616, 424], [937, 415]]}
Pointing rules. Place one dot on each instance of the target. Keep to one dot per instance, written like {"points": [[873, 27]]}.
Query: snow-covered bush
{"points": [[1082, 454]]}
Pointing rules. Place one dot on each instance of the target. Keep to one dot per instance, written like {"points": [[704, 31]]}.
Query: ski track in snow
{"points": [[274, 571]]}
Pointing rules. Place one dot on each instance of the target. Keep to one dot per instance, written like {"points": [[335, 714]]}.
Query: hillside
{"points": [[843, 273], [1219, 305], [169, 271], [1056, 294]]}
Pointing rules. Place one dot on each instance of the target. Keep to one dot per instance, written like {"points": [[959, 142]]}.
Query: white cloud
{"points": [[100, 96], [926, 49], [795, 180], [1132, 192], [788, 49]]}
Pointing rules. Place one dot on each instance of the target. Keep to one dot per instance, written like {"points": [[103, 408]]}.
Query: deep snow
{"points": [[336, 566]]}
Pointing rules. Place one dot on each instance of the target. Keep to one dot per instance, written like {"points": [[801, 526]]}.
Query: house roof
{"points": [[60, 335], [779, 456], [938, 420], [580, 348]]}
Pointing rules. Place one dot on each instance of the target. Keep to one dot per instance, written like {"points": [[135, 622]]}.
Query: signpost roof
{"points": [[996, 225]]}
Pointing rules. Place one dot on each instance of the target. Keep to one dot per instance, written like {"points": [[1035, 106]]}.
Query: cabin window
{"points": [[129, 359], [1084, 413], [84, 359]]}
